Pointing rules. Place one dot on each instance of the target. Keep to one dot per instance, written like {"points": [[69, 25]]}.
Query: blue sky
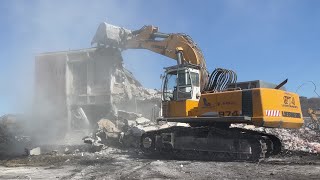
{"points": [[269, 40]]}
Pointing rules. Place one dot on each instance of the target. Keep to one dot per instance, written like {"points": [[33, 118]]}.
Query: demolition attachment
{"points": [[110, 35]]}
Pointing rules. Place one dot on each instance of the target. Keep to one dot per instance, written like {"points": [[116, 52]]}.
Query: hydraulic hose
{"points": [[220, 79]]}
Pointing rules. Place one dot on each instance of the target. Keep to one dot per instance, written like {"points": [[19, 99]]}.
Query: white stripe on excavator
{"points": [[275, 113]]}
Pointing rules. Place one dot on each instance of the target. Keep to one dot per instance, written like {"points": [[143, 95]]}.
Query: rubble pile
{"points": [[303, 139], [125, 131], [129, 95]]}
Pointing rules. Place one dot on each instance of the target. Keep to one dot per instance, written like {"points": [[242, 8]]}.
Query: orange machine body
{"points": [[265, 107]]}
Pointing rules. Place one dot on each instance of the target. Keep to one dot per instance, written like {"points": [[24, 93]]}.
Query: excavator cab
{"points": [[181, 83], [181, 90]]}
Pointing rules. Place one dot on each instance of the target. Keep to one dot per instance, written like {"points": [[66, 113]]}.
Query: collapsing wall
{"points": [[80, 87]]}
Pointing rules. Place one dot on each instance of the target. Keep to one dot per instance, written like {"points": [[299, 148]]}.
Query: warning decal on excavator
{"points": [[275, 113]]}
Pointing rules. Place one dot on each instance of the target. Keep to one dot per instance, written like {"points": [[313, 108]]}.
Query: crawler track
{"points": [[210, 143]]}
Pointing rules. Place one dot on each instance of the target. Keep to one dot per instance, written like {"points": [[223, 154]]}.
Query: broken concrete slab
{"points": [[142, 121], [34, 151], [108, 126], [128, 115], [131, 123]]}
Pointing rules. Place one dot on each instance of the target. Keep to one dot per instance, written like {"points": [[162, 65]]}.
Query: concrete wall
{"points": [[50, 86]]}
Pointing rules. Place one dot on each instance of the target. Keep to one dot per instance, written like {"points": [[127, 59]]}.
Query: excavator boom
{"points": [[149, 37]]}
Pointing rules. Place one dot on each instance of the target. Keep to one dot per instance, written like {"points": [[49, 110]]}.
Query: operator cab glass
{"points": [[180, 84]]}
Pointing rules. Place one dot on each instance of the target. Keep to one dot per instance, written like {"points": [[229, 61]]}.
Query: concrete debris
{"points": [[123, 132], [142, 121], [67, 151], [131, 123], [107, 133], [303, 139], [88, 139], [53, 152], [107, 126], [128, 115], [34, 152], [118, 132]]}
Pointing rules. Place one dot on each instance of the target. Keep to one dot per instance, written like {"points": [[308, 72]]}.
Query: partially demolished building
{"points": [[79, 87]]}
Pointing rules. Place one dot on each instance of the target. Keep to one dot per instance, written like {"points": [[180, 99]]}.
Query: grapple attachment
{"points": [[110, 35]]}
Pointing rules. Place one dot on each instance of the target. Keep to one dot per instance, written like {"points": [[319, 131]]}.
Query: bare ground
{"points": [[114, 163]]}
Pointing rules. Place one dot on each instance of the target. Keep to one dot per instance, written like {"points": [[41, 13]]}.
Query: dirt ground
{"points": [[76, 162]]}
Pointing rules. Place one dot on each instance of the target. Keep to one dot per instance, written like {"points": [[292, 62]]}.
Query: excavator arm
{"points": [[177, 46]]}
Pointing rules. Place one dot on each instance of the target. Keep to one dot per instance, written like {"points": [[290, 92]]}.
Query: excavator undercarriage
{"points": [[210, 143]]}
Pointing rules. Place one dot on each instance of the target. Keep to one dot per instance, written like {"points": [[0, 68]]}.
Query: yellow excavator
{"points": [[210, 103]]}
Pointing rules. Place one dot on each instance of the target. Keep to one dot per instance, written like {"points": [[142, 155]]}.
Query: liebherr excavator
{"points": [[210, 103]]}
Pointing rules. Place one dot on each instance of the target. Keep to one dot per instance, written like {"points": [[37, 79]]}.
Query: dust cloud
{"points": [[47, 26]]}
